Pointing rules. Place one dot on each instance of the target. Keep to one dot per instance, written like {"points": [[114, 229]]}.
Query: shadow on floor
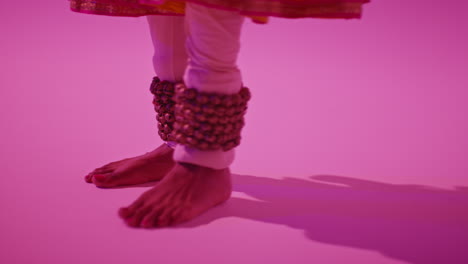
{"points": [[413, 223]]}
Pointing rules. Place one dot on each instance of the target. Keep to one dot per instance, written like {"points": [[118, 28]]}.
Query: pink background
{"points": [[355, 148]]}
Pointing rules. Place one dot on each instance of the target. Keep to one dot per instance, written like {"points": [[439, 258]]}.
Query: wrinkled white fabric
{"points": [[201, 49]]}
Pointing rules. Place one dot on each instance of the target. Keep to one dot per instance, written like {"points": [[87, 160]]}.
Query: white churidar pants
{"points": [[200, 49]]}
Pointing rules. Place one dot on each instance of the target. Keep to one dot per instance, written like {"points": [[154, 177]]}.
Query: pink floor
{"points": [[355, 148]]}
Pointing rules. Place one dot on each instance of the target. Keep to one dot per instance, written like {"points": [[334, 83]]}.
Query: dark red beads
{"points": [[163, 101], [169, 118], [208, 121], [202, 99]]}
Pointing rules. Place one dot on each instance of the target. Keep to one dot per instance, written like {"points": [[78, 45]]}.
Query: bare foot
{"points": [[185, 192], [151, 166]]}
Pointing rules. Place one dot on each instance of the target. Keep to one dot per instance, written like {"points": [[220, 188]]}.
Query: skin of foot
{"points": [[152, 166], [185, 192]]}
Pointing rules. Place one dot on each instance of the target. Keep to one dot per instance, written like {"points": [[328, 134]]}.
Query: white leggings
{"points": [[200, 49]]}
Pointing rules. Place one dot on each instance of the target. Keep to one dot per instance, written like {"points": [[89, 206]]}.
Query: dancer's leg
{"points": [[189, 190], [213, 43], [170, 56], [169, 61]]}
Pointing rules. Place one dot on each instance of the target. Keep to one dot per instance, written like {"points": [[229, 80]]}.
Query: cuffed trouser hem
{"points": [[215, 159]]}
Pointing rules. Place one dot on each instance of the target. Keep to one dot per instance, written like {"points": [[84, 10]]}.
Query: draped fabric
{"points": [[257, 10]]}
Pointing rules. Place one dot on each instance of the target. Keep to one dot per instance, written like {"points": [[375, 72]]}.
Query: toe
{"points": [[103, 169], [125, 212], [129, 211], [89, 178], [165, 218], [149, 220], [100, 177], [140, 213], [103, 180]]}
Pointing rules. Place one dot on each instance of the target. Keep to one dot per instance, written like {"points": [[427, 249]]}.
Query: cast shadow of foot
{"points": [[413, 223]]}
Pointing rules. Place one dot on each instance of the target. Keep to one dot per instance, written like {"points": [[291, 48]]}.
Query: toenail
{"points": [[100, 177]]}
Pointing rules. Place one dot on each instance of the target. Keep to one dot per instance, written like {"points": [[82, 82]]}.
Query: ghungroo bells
{"points": [[209, 121], [163, 102]]}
